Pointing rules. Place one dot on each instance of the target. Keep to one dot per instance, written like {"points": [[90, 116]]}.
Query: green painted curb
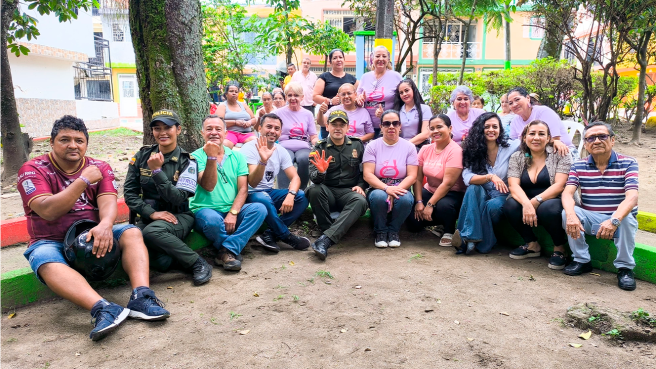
{"points": [[20, 287], [647, 221]]}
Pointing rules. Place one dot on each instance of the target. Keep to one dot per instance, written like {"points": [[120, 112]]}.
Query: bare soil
{"points": [[418, 306]]}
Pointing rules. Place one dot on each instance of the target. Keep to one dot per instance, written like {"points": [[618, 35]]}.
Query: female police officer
{"points": [[165, 176]]}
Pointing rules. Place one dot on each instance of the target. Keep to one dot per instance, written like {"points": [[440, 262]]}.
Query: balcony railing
{"points": [[453, 50]]}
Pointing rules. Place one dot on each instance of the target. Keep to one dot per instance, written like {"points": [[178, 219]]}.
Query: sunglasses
{"points": [[387, 123], [222, 173], [592, 139]]}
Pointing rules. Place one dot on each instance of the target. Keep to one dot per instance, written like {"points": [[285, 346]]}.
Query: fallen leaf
{"points": [[457, 322], [575, 345], [169, 288], [367, 349], [292, 263], [586, 336], [358, 287], [244, 332], [256, 294], [11, 315], [597, 274], [344, 330], [504, 313], [469, 339]]}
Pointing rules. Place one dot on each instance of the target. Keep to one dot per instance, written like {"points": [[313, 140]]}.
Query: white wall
{"points": [[92, 110], [76, 35], [121, 52], [42, 77]]}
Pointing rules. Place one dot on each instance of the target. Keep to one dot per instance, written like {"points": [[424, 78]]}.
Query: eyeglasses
{"points": [[387, 123], [592, 139]]}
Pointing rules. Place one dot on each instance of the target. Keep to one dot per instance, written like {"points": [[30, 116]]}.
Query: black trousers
{"points": [[549, 216], [445, 212]]}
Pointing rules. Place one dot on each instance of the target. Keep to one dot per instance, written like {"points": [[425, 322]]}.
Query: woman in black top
{"points": [[328, 83]]}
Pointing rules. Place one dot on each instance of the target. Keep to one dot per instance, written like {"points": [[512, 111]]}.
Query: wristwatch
{"points": [[616, 222], [539, 199], [292, 192], [234, 212], [429, 205]]}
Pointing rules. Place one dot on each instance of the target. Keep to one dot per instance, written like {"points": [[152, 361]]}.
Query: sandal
{"points": [[446, 239]]}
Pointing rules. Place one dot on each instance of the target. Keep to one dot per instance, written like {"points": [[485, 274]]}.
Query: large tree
{"points": [[166, 35], [16, 25], [283, 30], [324, 38]]}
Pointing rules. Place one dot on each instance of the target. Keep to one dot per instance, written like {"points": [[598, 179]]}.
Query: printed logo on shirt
{"points": [[116, 185], [374, 98], [268, 175], [26, 174], [297, 132], [28, 186], [389, 169], [352, 128]]}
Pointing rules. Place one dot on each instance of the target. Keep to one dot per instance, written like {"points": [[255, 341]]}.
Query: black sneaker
{"points": [[298, 243], [576, 268], [268, 241], [557, 260], [625, 279], [522, 252], [202, 271], [108, 316], [393, 239], [321, 246], [381, 240]]}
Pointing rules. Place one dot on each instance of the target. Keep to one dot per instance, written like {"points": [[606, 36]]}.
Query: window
{"points": [[454, 32], [341, 19], [117, 32], [128, 88], [534, 28]]}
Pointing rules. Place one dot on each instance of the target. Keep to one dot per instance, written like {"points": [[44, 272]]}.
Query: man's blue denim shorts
{"points": [[48, 251]]}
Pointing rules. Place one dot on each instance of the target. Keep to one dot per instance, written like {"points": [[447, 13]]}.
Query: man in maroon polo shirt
{"points": [[62, 187]]}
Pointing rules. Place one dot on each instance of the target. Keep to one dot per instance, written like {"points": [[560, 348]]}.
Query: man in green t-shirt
{"points": [[218, 204]]}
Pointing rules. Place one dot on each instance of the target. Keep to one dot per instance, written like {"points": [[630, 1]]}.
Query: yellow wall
{"points": [[115, 72], [520, 48]]}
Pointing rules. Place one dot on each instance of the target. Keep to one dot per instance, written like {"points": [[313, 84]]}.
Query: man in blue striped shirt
{"points": [[609, 203]]}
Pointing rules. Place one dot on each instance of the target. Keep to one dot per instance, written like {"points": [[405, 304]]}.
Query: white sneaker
{"points": [[381, 240]]}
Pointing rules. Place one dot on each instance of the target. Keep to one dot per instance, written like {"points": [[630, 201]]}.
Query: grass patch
{"points": [[122, 131], [415, 257], [234, 315], [324, 274]]}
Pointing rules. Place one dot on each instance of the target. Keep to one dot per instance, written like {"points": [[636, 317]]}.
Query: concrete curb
{"points": [[647, 221], [15, 230], [21, 287]]}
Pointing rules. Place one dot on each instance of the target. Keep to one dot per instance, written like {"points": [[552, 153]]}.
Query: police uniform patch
{"points": [[189, 178], [174, 158], [133, 160], [145, 172], [355, 153]]}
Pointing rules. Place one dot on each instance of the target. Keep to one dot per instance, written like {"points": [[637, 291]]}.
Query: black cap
{"points": [[168, 117]]}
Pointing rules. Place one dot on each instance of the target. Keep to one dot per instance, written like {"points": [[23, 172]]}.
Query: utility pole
{"points": [[385, 25]]}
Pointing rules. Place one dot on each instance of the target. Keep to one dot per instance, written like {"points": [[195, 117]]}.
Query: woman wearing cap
{"points": [[160, 180], [299, 134], [463, 115], [238, 118], [358, 118], [525, 113], [377, 88], [438, 201], [390, 167], [486, 153], [414, 113], [328, 83]]}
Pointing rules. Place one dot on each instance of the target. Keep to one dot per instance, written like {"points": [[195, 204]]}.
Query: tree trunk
{"points": [[506, 27], [14, 152], [643, 60], [325, 63], [552, 42], [464, 43], [166, 35], [437, 49]]}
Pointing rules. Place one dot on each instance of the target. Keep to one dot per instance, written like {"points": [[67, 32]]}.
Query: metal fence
{"points": [[93, 79]]}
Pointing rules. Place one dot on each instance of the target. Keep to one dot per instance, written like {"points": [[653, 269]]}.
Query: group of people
{"points": [[383, 150]]}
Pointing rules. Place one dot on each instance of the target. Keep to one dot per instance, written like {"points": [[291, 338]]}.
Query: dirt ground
{"points": [[417, 306]]}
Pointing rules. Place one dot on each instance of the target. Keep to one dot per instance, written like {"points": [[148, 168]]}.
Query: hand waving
{"points": [[320, 161], [264, 150]]}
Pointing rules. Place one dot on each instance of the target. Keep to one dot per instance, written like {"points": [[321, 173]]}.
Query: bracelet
{"points": [[85, 180], [419, 202], [212, 158], [156, 171], [260, 162], [385, 189]]}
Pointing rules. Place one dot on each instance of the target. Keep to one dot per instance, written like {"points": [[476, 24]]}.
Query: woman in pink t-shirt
{"points": [[438, 201], [463, 115], [389, 165]]}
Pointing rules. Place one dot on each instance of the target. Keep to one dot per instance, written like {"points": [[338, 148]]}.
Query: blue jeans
{"points": [[480, 210], [210, 223], [385, 222], [272, 201], [49, 251]]}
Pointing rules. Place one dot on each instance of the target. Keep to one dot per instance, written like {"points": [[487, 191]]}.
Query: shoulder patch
{"points": [[189, 178]]}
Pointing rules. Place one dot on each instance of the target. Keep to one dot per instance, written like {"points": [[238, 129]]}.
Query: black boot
{"points": [[321, 246]]}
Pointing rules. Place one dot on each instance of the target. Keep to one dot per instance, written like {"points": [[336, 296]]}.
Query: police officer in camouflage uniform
{"points": [[159, 182], [337, 183]]}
